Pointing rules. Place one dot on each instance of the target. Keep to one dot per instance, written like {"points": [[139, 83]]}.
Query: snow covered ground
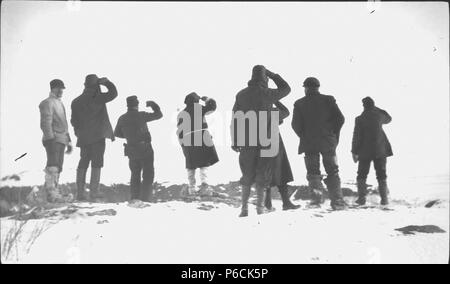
{"points": [[209, 231]]}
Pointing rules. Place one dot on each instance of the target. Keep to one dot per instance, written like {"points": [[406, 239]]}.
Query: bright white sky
{"points": [[162, 51]]}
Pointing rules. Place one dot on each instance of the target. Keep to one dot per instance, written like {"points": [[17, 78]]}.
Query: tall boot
{"points": [[384, 192], [95, 184], [81, 183], [287, 204], [334, 189], [362, 192], [245, 197], [50, 185], [316, 190], [268, 199]]}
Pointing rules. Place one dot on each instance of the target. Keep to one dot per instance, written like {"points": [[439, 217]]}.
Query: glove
{"points": [[69, 149], [102, 80], [270, 74]]}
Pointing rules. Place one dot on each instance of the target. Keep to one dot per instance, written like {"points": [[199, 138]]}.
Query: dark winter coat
{"points": [[133, 127], [203, 155], [317, 121], [282, 172], [90, 118], [369, 140], [257, 97]]}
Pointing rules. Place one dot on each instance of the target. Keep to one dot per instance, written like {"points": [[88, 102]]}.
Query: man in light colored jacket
{"points": [[55, 139]]}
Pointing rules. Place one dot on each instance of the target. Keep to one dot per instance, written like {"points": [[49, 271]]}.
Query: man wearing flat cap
{"points": [[317, 121], [55, 139], [91, 123], [133, 127]]}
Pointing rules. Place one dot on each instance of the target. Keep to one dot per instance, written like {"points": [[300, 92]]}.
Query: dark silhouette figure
{"points": [[257, 97], [317, 121], [133, 127], [370, 144], [91, 123]]}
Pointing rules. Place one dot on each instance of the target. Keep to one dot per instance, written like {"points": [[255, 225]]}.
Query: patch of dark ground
{"points": [[413, 229], [13, 199]]}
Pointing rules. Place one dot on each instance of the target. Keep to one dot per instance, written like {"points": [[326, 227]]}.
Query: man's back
{"points": [[133, 127], [90, 116], [259, 99], [317, 120], [369, 139]]}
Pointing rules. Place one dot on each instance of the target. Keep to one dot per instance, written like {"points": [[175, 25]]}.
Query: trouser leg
{"points": [[380, 168], [363, 171], [148, 175], [312, 163], [135, 180]]}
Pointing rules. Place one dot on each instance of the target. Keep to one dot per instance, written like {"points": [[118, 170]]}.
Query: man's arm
{"points": [[110, 95], [297, 122], [356, 141], [74, 119], [386, 118], [233, 127], [118, 130], [282, 90], [156, 114], [284, 112], [210, 105], [46, 111], [338, 118]]}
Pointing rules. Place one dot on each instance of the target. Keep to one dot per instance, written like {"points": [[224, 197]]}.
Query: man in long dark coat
{"points": [[133, 127], [317, 121], [370, 144], [256, 168], [196, 141], [91, 123]]}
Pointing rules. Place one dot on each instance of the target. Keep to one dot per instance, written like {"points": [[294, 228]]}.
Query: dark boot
{"points": [[95, 184], [334, 189], [287, 204], [362, 192], [316, 190], [268, 199], [245, 197], [384, 192], [81, 183]]}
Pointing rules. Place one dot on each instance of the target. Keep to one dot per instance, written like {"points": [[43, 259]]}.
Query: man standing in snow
{"points": [[133, 127], [317, 121], [55, 139], [91, 124], [256, 101], [370, 143]]}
